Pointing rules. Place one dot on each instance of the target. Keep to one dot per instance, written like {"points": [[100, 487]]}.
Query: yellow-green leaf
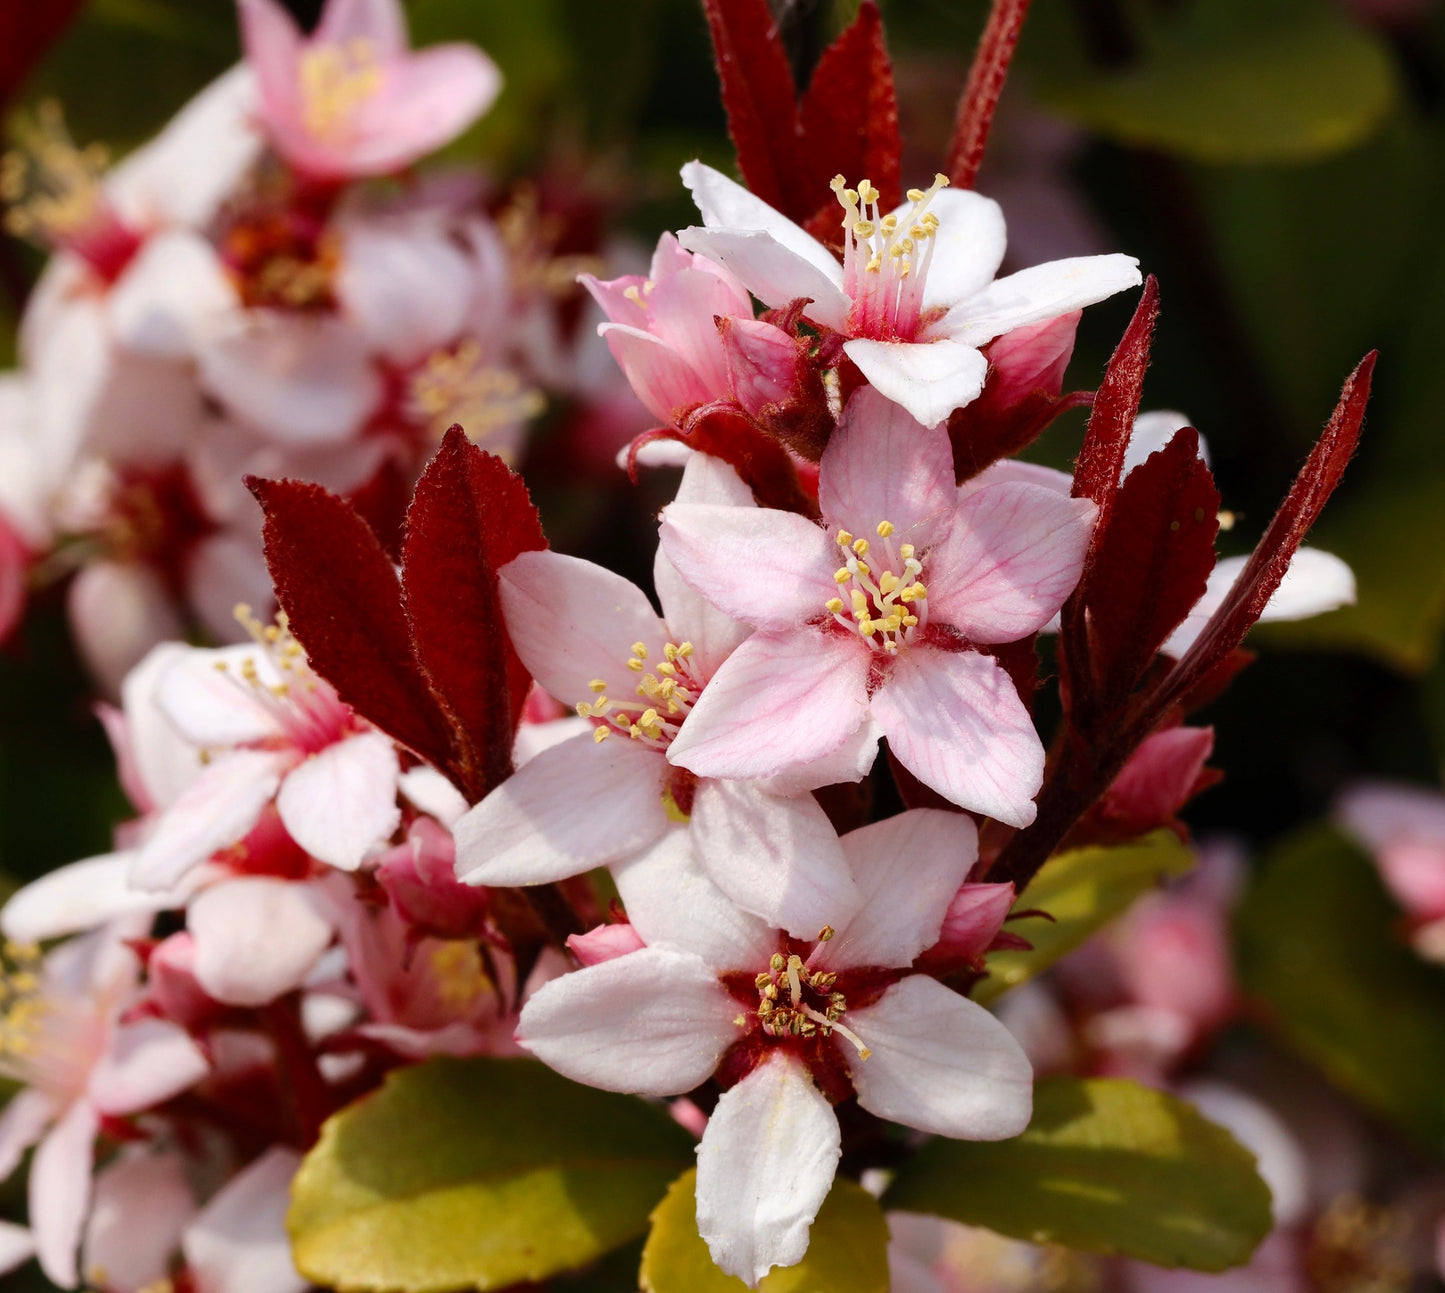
{"points": [[1082, 890], [847, 1248], [478, 1173], [1107, 1166]]}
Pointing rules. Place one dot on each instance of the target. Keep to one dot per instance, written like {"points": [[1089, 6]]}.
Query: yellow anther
{"points": [[916, 195], [635, 665], [910, 620], [888, 224], [639, 649], [826, 933], [844, 538], [838, 183], [670, 651], [860, 603], [864, 569], [887, 582], [867, 192], [648, 719], [834, 605], [684, 649], [776, 962], [842, 575], [597, 685], [633, 294], [665, 668], [906, 551], [863, 229], [600, 734], [860, 546], [867, 627], [885, 528]]}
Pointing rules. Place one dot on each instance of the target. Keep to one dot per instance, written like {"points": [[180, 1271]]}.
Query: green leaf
{"points": [[1318, 942], [478, 1173], [1108, 1166], [847, 1248], [1241, 81], [1082, 890]]}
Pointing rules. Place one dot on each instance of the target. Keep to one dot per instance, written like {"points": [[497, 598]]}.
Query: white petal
{"points": [[907, 869], [573, 807], [940, 1063], [165, 762], [218, 808], [1152, 431], [851, 761], [118, 612], [764, 1167], [17, 1246], [175, 285], [426, 790], [1010, 471], [725, 204], [239, 1244], [22, 1122], [1038, 293], [915, 1243], [148, 1062], [776, 857], [1280, 1157], [928, 378], [205, 697], [81, 896], [142, 1204], [772, 272], [572, 621], [341, 802], [60, 1191], [653, 1022], [672, 903], [256, 938], [967, 248]]}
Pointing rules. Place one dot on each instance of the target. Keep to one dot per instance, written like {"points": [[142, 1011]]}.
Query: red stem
{"points": [[985, 85]]}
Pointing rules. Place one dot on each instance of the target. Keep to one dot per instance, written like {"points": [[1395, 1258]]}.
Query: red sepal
{"points": [[986, 79]]}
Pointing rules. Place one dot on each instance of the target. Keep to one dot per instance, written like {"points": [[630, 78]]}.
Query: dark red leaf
{"points": [[723, 430], [470, 515], [341, 596], [984, 89], [849, 123], [761, 101], [1149, 568], [27, 31]]}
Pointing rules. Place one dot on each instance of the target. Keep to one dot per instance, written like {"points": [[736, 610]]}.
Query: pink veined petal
{"points": [[1015, 553], [239, 1244], [81, 896], [22, 1122], [654, 1022], [941, 1064], [764, 1167], [768, 568], [60, 1191], [572, 622], [611, 295], [142, 1203], [726, 204], [1038, 293], [219, 807], [680, 309], [256, 938], [851, 761], [882, 465], [907, 870], [780, 700], [928, 378], [272, 43], [573, 807], [429, 98], [1010, 471], [381, 23], [772, 272], [674, 904], [205, 698], [776, 857], [407, 288], [968, 246], [660, 377], [173, 286], [147, 1063], [955, 721], [340, 803]]}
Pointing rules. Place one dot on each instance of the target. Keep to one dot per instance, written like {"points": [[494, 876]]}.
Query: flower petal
{"points": [[380, 23], [907, 870], [143, 1202], [205, 697], [776, 857], [660, 377], [968, 246], [81, 896], [340, 803], [768, 568], [573, 807], [256, 938], [60, 1191], [764, 1167], [1040, 292], [239, 1243], [955, 720], [772, 272], [780, 700], [175, 283], [653, 1022], [1015, 553], [672, 903], [941, 1064], [148, 1062], [22, 1122], [928, 378]]}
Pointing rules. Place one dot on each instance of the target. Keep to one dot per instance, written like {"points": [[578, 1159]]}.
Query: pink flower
{"points": [[1404, 827], [869, 626], [915, 294], [351, 100], [840, 1015]]}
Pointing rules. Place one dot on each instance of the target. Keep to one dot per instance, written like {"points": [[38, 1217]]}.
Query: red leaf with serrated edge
{"points": [[470, 515], [761, 101], [983, 90], [1150, 567], [343, 601], [849, 123]]}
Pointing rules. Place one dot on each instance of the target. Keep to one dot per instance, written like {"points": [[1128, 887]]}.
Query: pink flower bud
{"points": [[604, 943], [972, 922], [420, 879]]}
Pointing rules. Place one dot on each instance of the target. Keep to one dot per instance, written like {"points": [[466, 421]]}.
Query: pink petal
{"points": [[572, 622], [272, 43], [380, 23], [256, 938], [775, 274], [681, 308], [776, 857], [611, 295], [165, 763], [1034, 357], [851, 761], [1016, 552], [764, 1167], [575, 806], [609, 1026], [765, 567], [940, 1064], [206, 699], [340, 803], [968, 246], [148, 1062], [81, 896], [674, 904], [17, 1246], [22, 1122], [604, 943], [881, 465], [955, 720], [1038, 293], [60, 1191], [118, 612], [974, 917], [780, 700], [929, 378], [660, 377], [907, 869], [1010, 471], [239, 1243], [142, 1204], [172, 288]]}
